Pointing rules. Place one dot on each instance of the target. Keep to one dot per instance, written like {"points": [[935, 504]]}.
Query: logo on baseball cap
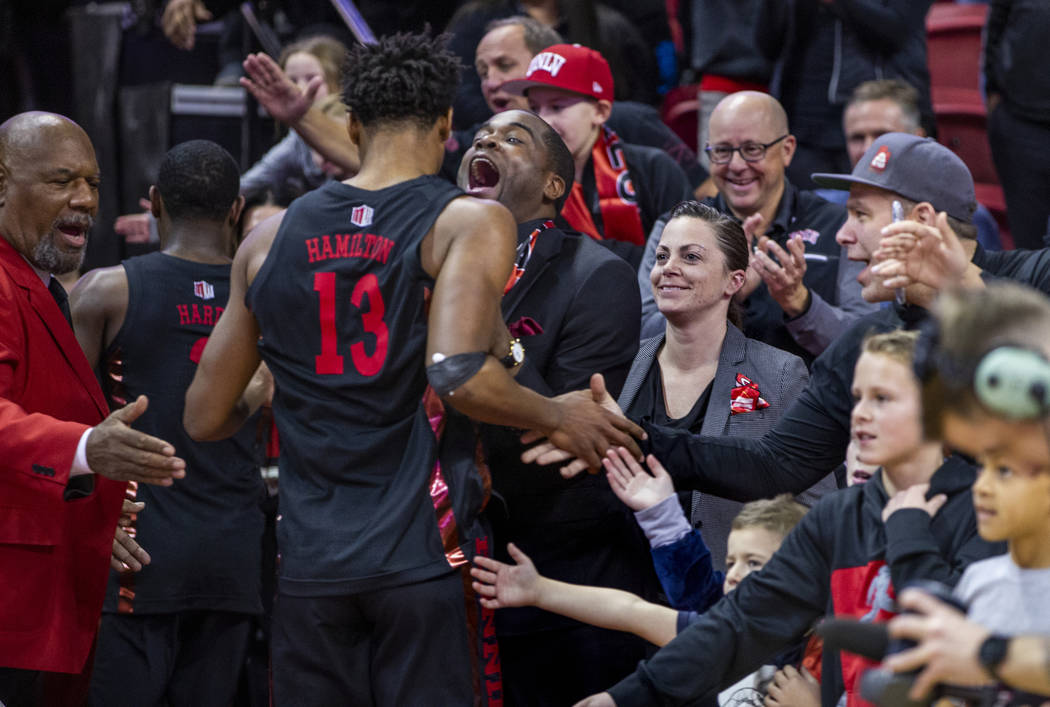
{"points": [[917, 168], [570, 67]]}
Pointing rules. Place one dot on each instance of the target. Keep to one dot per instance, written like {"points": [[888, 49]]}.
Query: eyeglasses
{"points": [[749, 151]]}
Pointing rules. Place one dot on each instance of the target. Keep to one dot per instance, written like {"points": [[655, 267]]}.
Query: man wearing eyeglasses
{"points": [[802, 292]]}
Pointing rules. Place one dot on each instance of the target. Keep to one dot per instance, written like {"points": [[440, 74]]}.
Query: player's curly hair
{"points": [[402, 77]]}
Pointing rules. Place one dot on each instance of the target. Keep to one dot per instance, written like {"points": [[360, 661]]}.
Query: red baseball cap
{"points": [[570, 67]]}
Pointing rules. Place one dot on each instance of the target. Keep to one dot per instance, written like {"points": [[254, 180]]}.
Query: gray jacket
{"points": [[780, 377]]}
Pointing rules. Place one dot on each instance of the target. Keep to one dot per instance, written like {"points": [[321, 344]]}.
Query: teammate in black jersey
{"points": [[368, 610], [176, 633]]}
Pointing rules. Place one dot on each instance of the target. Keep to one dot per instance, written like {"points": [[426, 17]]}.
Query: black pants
{"points": [[1021, 150], [191, 658], [396, 647]]}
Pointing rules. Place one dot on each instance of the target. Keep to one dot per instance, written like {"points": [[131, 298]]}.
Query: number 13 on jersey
{"points": [[330, 362]]}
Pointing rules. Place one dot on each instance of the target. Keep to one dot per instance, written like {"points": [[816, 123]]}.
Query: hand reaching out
{"points": [[501, 585], [632, 484], [561, 445], [275, 92], [118, 452]]}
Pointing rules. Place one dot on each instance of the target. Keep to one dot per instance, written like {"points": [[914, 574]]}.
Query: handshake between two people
{"points": [[591, 427]]}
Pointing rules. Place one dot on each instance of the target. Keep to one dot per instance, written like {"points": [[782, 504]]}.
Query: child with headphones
{"points": [[986, 392]]}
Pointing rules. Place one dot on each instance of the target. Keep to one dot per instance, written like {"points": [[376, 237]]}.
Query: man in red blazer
{"points": [[57, 512]]}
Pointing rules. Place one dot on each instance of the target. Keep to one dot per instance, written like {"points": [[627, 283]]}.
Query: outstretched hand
{"points": [[501, 585], [118, 452], [592, 423], [275, 92], [632, 484], [913, 252]]}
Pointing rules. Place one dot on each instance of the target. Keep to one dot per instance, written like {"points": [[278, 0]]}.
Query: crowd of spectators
{"points": [[814, 387]]}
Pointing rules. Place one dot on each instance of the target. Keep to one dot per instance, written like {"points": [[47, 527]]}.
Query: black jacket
{"points": [[1018, 33], [835, 562], [575, 530]]}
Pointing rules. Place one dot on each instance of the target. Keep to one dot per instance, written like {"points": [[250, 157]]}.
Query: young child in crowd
{"points": [[997, 411], [913, 520]]}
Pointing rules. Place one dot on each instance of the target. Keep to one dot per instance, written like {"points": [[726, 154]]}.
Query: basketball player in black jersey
{"points": [[369, 611], [176, 632]]}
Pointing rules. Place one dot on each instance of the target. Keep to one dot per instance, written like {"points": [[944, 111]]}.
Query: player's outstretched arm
{"points": [[501, 585], [216, 404], [471, 254]]}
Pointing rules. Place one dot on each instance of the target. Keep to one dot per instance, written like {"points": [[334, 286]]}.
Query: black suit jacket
{"points": [[586, 301]]}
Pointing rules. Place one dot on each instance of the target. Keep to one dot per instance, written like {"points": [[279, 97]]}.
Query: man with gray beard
{"points": [[64, 464]]}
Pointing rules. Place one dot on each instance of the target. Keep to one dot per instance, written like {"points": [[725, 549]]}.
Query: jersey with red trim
{"points": [[205, 531], [340, 304], [841, 558]]}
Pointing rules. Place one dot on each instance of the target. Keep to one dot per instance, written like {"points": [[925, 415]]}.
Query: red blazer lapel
{"points": [[44, 305]]}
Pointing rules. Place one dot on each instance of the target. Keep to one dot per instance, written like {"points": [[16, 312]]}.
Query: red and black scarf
{"points": [[617, 198]]}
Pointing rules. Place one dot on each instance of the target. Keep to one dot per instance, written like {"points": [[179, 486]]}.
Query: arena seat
{"points": [[953, 40]]}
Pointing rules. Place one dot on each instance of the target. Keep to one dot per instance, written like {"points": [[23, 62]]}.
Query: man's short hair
{"points": [[402, 77], [198, 180], [538, 36], [900, 92], [968, 324], [777, 515]]}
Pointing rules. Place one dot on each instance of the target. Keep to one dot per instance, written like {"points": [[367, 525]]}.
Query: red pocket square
{"points": [[745, 396]]}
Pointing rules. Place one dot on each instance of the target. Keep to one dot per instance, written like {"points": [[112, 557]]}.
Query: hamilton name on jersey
{"points": [[349, 245]]}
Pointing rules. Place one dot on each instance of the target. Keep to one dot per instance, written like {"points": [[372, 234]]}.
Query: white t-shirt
{"points": [[1006, 598]]}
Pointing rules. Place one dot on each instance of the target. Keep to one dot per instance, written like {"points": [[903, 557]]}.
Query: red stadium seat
{"points": [[961, 126], [953, 35]]}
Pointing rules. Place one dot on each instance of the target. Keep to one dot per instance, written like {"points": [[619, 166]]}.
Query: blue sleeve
{"points": [[687, 574]]}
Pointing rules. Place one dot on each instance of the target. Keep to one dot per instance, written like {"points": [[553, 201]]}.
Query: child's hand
{"points": [[791, 688], [501, 585], [632, 484], [914, 497]]}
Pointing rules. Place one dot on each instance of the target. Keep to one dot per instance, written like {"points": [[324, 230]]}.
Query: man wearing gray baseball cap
{"points": [[927, 252], [926, 178]]}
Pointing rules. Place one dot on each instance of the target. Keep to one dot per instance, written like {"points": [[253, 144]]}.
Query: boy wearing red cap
{"points": [[620, 189]]}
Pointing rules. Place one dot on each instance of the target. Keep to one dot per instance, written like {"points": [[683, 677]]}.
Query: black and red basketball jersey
{"points": [[340, 303], [205, 531]]}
